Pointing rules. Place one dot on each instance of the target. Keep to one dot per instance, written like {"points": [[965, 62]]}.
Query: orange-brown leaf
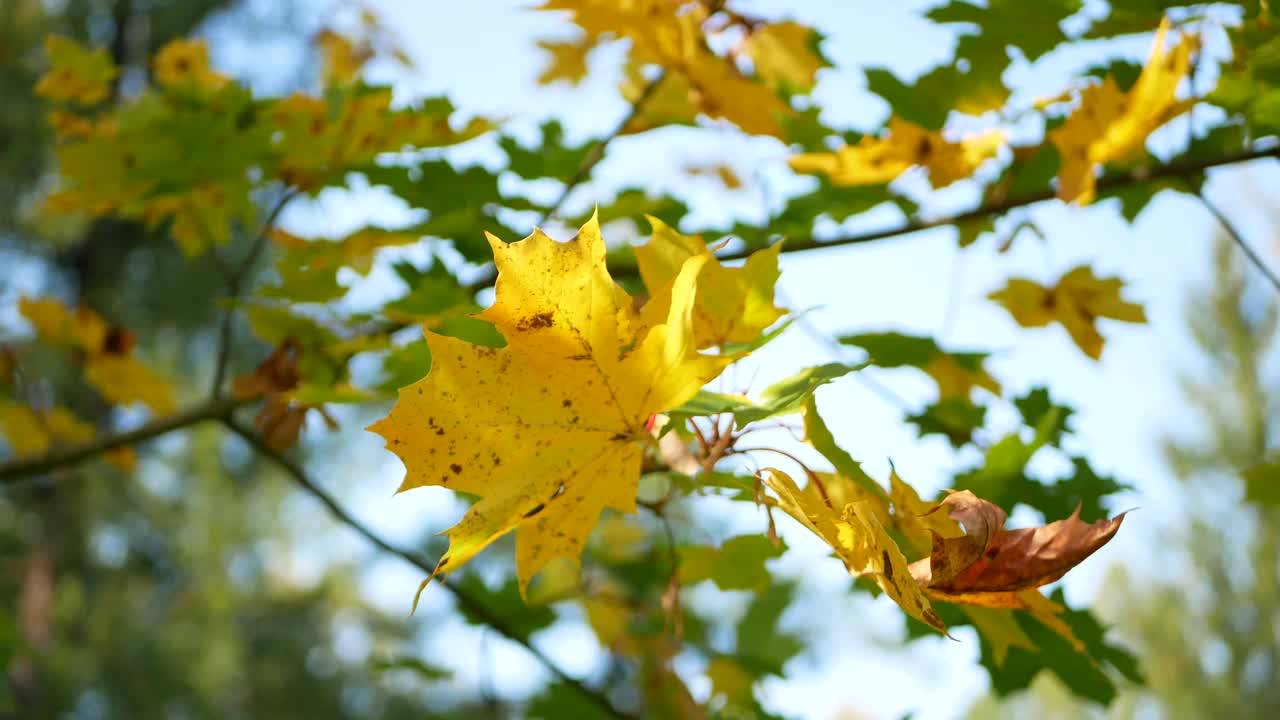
{"points": [[989, 564], [278, 373]]}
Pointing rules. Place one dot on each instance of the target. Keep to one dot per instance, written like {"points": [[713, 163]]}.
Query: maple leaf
{"points": [[545, 430], [184, 63], [734, 305], [55, 323], [568, 61], [77, 75], [875, 161], [343, 57], [855, 530], [1076, 302], [23, 429], [31, 432], [670, 34], [989, 566], [109, 364], [282, 416], [785, 55], [122, 379], [1110, 125]]}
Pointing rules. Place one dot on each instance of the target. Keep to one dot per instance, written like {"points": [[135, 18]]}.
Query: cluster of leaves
{"points": [[575, 397]]}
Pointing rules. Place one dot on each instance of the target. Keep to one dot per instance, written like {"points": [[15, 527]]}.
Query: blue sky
{"points": [[483, 56]]}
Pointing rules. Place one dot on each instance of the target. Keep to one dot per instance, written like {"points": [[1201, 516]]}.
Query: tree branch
{"points": [[1137, 176], [625, 267], [594, 157], [61, 457], [1235, 234], [473, 606], [235, 285]]}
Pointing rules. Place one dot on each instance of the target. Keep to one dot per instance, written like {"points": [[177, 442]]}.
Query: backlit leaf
{"points": [[1076, 302], [547, 430]]}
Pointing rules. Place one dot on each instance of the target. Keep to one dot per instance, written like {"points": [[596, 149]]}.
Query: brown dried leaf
{"points": [[989, 565], [278, 373]]}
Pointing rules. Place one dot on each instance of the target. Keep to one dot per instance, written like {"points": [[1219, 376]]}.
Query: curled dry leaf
{"points": [[278, 373], [989, 566], [281, 419]]}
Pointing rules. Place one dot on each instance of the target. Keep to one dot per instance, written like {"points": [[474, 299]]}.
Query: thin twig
{"points": [[1235, 234], [596, 154], [235, 285], [671, 595], [1136, 176], [65, 456], [469, 603]]}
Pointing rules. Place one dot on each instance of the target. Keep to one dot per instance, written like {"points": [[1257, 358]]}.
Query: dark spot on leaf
{"points": [[923, 150], [888, 566], [456, 468], [536, 509], [535, 322]]}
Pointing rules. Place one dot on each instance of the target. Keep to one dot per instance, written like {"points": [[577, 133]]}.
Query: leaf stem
{"points": [[235, 285], [465, 599], [596, 154]]}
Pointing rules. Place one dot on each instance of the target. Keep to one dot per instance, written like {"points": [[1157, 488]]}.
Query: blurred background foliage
{"points": [[160, 599]]}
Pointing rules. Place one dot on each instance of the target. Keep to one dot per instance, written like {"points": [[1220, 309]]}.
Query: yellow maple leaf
{"points": [[874, 161], [78, 74], [784, 55], [63, 425], [568, 61], [1076, 302], [55, 323], [69, 126], [957, 375], [721, 91], [318, 137], [697, 80], [734, 304], [1110, 125], [343, 58], [23, 429], [547, 431], [856, 532], [184, 63], [122, 380]]}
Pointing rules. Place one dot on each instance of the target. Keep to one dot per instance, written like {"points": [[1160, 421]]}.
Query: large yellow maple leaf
{"points": [[547, 431], [1110, 125]]}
